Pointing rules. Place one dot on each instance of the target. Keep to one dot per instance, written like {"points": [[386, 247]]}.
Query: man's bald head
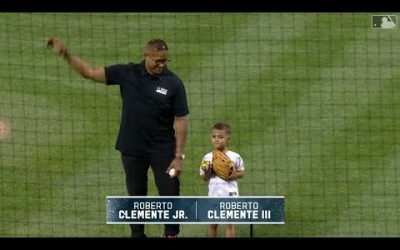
{"points": [[155, 45], [156, 56]]}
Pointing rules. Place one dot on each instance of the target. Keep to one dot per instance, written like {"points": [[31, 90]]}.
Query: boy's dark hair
{"points": [[223, 126]]}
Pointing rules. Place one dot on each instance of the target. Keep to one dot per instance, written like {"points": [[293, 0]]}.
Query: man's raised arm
{"points": [[96, 74]]}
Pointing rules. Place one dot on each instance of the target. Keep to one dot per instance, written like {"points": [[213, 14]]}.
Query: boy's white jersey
{"points": [[218, 186]]}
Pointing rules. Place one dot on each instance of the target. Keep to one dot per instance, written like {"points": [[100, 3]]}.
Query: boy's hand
{"points": [[206, 167]]}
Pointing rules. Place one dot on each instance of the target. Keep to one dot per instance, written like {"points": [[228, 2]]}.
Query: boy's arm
{"points": [[206, 167], [240, 165], [206, 176], [238, 174]]}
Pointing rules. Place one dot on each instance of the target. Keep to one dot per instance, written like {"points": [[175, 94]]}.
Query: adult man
{"points": [[153, 127]]}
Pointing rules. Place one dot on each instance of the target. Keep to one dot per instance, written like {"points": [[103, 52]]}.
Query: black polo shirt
{"points": [[149, 104]]}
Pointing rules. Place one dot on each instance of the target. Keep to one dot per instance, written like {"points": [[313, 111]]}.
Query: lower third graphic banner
{"points": [[195, 210]]}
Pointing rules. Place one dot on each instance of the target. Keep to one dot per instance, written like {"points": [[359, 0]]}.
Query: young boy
{"points": [[220, 136]]}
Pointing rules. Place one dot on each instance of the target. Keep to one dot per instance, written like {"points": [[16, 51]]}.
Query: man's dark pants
{"points": [[136, 169]]}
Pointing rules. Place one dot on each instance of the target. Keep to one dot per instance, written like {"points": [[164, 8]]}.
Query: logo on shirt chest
{"points": [[162, 91]]}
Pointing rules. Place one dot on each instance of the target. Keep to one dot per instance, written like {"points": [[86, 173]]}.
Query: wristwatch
{"points": [[180, 156]]}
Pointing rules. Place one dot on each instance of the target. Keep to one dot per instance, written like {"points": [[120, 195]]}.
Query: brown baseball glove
{"points": [[222, 166]]}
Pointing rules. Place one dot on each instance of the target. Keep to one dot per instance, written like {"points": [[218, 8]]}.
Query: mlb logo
{"points": [[384, 22], [162, 90]]}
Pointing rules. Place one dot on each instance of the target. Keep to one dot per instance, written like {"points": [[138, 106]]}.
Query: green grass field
{"points": [[313, 100]]}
